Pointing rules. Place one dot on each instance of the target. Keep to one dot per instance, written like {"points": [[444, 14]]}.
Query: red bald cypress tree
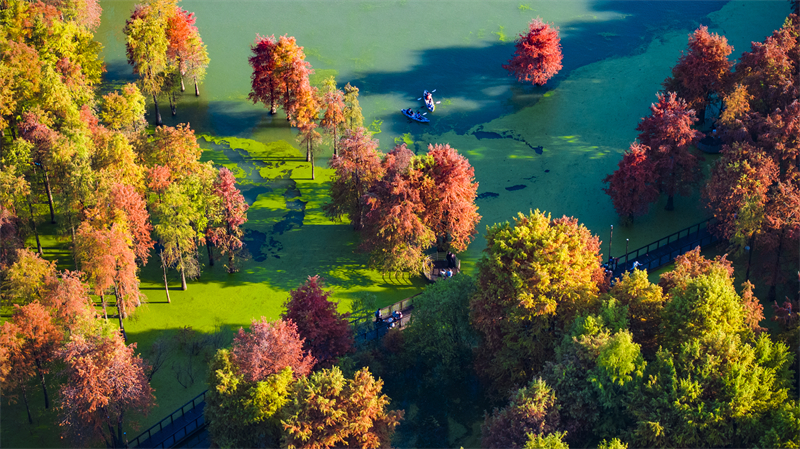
{"points": [[668, 132], [703, 71], [631, 187], [269, 348], [106, 383], [39, 340], [326, 332], [450, 209], [266, 83], [537, 57], [228, 215]]}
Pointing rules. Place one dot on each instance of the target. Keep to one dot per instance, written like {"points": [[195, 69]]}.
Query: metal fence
{"points": [[171, 430], [665, 250]]}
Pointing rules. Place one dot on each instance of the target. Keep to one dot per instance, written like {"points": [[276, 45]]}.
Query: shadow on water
{"points": [[476, 74]]}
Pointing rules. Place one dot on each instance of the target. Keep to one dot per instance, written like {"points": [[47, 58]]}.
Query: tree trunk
{"points": [[103, 301], [308, 151], [158, 114], [35, 232], [25, 400], [210, 253], [166, 286], [335, 147], [120, 312], [49, 195], [173, 106], [41, 378], [183, 280], [312, 165], [776, 270], [670, 203], [2, 142], [74, 254], [196, 88], [183, 86]]}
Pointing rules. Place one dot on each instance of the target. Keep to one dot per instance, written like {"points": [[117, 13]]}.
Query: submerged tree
{"points": [[632, 186], [703, 72], [357, 168], [668, 132], [537, 57], [228, 215], [266, 83], [146, 44]]}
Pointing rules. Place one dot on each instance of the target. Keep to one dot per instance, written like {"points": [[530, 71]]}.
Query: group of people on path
{"points": [[391, 320]]}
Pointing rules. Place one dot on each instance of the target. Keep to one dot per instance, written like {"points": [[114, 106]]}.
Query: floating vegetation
{"points": [[375, 127], [525, 7], [406, 138], [501, 34], [447, 102]]}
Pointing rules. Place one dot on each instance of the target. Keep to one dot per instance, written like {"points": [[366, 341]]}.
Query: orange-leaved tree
{"points": [[537, 57], [535, 276], [106, 384], [331, 411]]}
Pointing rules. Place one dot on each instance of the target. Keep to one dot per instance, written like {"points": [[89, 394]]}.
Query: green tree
{"points": [[644, 301], [596, 370], [353, 118], [534, 277], [532, 410], [243, 413], [440, 339], [553, 440], [146, 45]]}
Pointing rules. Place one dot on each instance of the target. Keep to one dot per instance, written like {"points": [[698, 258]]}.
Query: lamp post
{"points": [[626, 252], [749, 258], [610, 237]]}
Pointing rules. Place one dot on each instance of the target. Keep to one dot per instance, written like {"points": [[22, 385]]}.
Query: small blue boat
{"points": [[413, 116]]}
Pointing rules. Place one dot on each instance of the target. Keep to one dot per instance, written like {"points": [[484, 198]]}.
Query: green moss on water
{"points": [[524, 7], [406, 138], [501, 35], [375, 127]]}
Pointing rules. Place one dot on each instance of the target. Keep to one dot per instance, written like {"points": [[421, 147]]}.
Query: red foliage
{"points": [[68, 299], [39, 339], [105, 382], [450, 209], [180, 27], [266, 84], [668, 132], [537, 57], [769, 69], [631, 187], [692, 265], [357, 167], [34, 129], [225, 231], [326, 332], [394, 231], [754, 310], [703, 71], [269, 348], [159, 178], [126, 199]]}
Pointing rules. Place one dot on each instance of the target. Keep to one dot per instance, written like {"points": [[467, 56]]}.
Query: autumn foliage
{"points": [[326, 332], [537, 57], [703, 71], [531, 410], [269, 348], [105, 383], [331, 411], [631, 187]]}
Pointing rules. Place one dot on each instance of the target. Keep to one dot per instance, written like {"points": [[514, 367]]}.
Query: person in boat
{"points": [[428, 97]]}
